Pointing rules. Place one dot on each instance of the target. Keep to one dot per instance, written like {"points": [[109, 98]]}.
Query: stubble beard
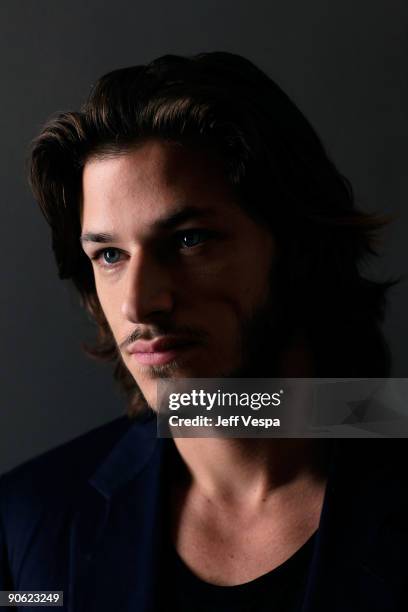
{"points": [[260, 345], [262, 342]]}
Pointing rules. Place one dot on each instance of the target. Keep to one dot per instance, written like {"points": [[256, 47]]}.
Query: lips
{"points": [[159, 345], [159, 351]]}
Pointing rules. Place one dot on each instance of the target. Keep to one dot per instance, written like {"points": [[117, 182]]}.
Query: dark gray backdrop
{"points": [[345, 64]]}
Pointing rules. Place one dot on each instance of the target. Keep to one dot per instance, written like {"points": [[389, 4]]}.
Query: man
{"points": [[209, 235]]}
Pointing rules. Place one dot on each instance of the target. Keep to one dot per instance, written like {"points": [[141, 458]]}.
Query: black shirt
{"points": [[280, 590]]}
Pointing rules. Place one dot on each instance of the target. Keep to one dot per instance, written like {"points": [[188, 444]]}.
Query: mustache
{"points": [[157, 331]]}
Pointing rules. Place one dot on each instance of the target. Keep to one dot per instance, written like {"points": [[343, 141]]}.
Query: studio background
{"points": [[343, 62]]}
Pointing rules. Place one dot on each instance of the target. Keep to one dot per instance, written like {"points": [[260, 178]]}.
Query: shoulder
{"points": [[40, 498], [373, 455], [55, 475], [369, 482], [370, 461]]}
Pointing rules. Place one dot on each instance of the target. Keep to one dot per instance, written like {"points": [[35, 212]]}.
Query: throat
{"points": [[229, 544]]}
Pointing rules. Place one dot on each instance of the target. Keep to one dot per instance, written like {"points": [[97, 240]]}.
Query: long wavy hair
{"points": [[282, 177]]}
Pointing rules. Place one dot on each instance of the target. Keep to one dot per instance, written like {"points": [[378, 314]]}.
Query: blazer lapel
{"points": [[116, 532]]}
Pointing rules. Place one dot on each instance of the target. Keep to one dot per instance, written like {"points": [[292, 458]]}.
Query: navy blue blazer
{"points": [[87, 518]]}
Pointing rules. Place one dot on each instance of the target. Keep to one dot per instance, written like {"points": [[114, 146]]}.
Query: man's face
{"points": [[181, 272]]}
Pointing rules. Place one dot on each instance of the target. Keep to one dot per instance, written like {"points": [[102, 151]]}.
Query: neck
{"points": [[249, 471], [246, 471]]}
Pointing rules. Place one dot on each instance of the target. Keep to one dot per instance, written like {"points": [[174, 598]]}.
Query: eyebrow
{"points": [[176, 218]]}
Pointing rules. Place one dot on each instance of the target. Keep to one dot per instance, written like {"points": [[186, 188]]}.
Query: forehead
{"points": [[149, 183]]}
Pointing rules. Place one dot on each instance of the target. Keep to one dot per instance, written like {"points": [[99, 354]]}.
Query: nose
{"points": [[148, 291]]}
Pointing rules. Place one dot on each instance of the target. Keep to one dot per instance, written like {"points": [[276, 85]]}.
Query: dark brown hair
{"points": [[282, 177]]}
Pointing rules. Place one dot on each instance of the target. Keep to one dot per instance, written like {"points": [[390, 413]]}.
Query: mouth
{"points": [[161, 356]]}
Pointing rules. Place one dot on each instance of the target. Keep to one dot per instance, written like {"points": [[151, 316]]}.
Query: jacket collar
{"points": [[127, 458], [118, 530]]}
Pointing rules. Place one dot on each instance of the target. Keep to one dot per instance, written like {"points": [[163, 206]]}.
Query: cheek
{"points": [[110, 305], [220, 303], [239, 285]]}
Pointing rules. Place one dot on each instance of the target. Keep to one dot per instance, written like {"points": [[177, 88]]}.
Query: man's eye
{"points": [[108, 257], [188, 239]]}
